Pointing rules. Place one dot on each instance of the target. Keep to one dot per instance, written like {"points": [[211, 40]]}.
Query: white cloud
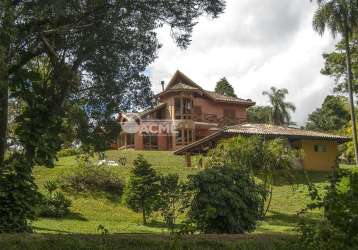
{"points": [[256, 44]]}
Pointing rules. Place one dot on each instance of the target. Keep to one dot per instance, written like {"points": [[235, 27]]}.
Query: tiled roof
{"points": [[224, 98], [273, 130], [182, 86], [151, 110], [260, 129], [181, 82]]}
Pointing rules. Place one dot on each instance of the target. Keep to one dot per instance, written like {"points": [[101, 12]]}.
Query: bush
{"points": [[225, 200], [90, 177], [68, 152], [143, 188], [171, 196], [18, 195], [339, 226], [54, 203]]}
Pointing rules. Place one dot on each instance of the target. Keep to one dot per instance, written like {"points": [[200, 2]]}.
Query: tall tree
{"points": [[223, 87], [332, 116], [94, 53], [98, 50], [280, 108], [340, 17], [259, 114]]}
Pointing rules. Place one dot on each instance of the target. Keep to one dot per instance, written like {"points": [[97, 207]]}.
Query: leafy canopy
{"points": [[332, 116], [223, 87]]}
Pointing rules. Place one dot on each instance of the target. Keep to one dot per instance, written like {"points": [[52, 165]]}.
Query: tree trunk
{"points": [[4, 92], [144, 217], [350, 90]]}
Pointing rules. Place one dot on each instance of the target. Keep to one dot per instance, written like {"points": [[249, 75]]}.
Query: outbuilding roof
{"points": [[267, 130]]}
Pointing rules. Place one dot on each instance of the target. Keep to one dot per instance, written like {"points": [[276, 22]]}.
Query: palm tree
{"points": [[340, 17], [280, 109]]}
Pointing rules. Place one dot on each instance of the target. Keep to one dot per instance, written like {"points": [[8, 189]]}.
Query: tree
{"points": [[97, 51], [280, 109], [259, 114], [54, 54], [223, 87], [171, 193], [260, 157], [225, 200], [335, 65], [332, 116], [142, 191], [340, 16]]}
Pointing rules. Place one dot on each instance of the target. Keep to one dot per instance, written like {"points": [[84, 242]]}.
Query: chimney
{"points": [[162, 83]]}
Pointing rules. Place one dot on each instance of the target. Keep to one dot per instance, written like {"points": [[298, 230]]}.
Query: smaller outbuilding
{"points": [[320, 150]]}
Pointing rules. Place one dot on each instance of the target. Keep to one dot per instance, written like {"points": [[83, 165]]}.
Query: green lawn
{"points": [[90, 211]]}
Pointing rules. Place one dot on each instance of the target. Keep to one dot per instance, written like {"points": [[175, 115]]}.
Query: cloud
{"points": [[256, 44]]}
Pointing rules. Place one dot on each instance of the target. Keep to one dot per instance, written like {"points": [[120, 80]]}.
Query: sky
{"points": [[255, 44]]}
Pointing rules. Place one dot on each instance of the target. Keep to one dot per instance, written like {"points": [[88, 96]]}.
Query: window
{"points": [[184, 136], [130, 139], [320, 148], [150, 141], [183, 108]]}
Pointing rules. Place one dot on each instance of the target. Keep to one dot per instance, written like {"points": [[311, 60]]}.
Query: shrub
{"points": [[90, 177], [142, 190], [54, 203], [339, 226], [68, 152], [18, 195], [171, 194], [225, 200]]}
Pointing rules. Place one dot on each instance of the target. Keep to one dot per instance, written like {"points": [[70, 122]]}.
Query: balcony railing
{"points": [[210, 118]]}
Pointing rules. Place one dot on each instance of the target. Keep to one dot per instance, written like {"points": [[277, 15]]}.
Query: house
{"points": [[191, 112], [190, 120], [320, 150]]}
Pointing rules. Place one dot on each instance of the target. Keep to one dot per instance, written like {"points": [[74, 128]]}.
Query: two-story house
{"points": [[193, 111]]}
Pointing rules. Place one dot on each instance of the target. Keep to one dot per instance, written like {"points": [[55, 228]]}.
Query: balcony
{"points": [[210, 118]]}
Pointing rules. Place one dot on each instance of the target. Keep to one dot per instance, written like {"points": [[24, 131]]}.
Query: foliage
{"points": [[259, 114], [142, 189], [54, 203], [280, 108], [339, 228], [68, 152], [332, 116], [225, 200], [257, 156], [90, 177], [171, 195], [94, 53], [335, 65], [223, 87], [18, 195]]}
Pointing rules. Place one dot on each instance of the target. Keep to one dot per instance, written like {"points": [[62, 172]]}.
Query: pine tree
{"points": [[142, 192], [223, 87]]}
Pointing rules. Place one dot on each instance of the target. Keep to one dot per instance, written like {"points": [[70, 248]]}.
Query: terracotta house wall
{"points": [[207, 106]]}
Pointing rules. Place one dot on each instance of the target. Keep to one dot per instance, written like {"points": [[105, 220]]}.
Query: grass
{"points": [[90, 211], [145, 242]]}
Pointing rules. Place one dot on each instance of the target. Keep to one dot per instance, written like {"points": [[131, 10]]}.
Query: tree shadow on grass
{"points": [[161, 224], [70, 216], [288, 220], [301, 177]]}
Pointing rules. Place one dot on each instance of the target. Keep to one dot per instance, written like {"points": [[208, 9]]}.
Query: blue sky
{"points": [[255, 44]]}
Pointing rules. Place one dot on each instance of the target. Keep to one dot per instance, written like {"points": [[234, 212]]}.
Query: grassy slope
{"points": [[89, 212]]}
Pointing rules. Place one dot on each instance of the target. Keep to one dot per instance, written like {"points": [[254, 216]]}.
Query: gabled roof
{"points": [[267, 130], [151, 110], [181, 82]]}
